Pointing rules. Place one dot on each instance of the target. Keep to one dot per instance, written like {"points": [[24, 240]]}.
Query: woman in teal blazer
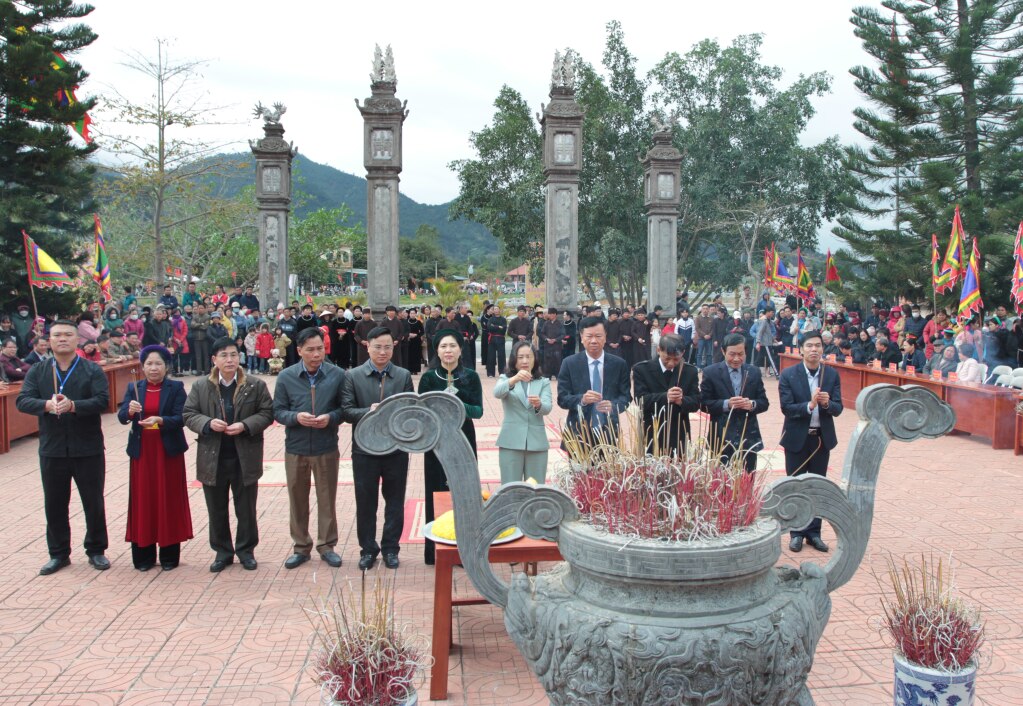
{"points": [[526, 396]]}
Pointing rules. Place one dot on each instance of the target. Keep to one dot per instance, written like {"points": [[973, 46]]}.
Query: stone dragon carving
{"points": [[641, 622], [270, 117]]}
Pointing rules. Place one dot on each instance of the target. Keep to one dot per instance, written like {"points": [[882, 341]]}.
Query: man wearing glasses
{"points": [[361, 392], [229, 411]]}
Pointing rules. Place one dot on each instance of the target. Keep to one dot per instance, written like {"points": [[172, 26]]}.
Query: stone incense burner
{"points": [[712, 623]]}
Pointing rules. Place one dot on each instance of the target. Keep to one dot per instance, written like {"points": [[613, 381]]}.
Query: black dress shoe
{"points": [[168, 566], [144, 567], [248, 563], [366, 562], [817, 543], [54, 565], [331, 558], [99, 562], [295, 560], [219, 565], [796, 544], [391, 561]]}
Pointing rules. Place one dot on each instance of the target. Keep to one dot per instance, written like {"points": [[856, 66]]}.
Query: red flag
{"points": [[308, 299], [830, 271], [1016, 289], [954, 267]]}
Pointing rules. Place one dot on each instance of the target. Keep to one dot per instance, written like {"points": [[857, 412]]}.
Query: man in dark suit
{"points": [[592, 382], [668, 390], [811, 397], [732, 393]]}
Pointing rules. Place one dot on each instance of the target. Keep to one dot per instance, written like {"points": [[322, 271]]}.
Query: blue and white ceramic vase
{"points": [[922, 686]]}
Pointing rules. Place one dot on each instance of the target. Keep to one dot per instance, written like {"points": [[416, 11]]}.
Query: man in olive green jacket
{"points": [[229, 412]]}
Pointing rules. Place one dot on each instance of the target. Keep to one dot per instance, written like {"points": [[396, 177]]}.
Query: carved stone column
{"points": [[383, 115], [562, 124], [273, 198], [662, 173]]}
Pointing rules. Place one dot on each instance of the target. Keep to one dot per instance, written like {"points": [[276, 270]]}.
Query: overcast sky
{"points": [[451, 59]]}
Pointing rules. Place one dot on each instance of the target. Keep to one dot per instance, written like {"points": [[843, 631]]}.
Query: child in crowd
{"points": [[216, 328], [264, 346], [239, 341], [276, 362], [281, 342], [250, 351]]}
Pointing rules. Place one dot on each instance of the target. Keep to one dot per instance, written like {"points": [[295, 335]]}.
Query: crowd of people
{"points": [[337, 365]]}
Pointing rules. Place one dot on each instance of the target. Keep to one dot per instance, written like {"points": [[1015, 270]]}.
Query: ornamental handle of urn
{"points": [[886, 412], [431, 422]]}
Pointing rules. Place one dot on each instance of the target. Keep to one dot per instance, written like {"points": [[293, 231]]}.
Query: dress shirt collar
{"points": [[372, 369], [227, 383], [590, 361]]}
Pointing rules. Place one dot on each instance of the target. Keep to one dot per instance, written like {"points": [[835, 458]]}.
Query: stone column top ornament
{"points": [[563, 71], [273, 131], [383, 66]]}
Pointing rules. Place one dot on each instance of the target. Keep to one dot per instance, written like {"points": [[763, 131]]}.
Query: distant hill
{"points": [[327, 187]]}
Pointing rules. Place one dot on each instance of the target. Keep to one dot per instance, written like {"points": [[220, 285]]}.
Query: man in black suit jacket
{"points": [[600, 391], [811, 397], [732, 393], [668, 390]]}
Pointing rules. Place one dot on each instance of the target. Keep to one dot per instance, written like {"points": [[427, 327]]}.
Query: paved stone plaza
{"points": [[192, 637]]}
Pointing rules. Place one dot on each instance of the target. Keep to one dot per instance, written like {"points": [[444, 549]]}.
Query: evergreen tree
{"points": [[45, 182], [946, 131]]}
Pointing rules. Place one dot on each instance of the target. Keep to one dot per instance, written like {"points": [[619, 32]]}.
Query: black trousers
{"points": [[495, 356], [229, 481], [202, 356], [389, 474], [812, 458], [170, 554], [469, 354], [89, 474]]}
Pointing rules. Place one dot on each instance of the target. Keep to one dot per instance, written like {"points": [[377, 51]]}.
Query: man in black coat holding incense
{"points": [[732, 393], [68, 394], [811, 397], [667, 389]]}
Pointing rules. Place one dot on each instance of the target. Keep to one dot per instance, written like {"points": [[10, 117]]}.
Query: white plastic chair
{"points": [[1002, 370], [1004, 381]]}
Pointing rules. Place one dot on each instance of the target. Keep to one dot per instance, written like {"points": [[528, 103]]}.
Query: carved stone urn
{"points": [[622, 621]]}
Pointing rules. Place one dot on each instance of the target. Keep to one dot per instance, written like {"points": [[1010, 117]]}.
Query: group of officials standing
{"points": [[594, 387], [229, 411]]}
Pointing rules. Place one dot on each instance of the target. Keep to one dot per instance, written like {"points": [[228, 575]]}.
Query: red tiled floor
{"points": [[239, 637]]}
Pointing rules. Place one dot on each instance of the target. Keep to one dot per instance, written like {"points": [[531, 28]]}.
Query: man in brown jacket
{"points": [[229, 411], [704, 326]]}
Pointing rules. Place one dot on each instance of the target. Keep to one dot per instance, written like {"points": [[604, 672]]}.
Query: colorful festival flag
{"points": [[101, 271], [938, 278], [830, 271], [780, 276], [970, 302], [952, 268], [66, 97], [43, 270], [804, 284], [1016, 289], [768, 266]]}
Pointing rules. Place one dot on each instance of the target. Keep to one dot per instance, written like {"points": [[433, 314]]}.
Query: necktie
{"points": [[814, 380], [596, 387]]}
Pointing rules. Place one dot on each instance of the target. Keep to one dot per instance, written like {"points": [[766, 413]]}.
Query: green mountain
{"points": [[322, 186]]}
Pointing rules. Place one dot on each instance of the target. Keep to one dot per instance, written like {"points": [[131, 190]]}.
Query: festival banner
{"points": [[101, 270], [830, 271], [970, 302], [43, 270], [952, 269], [804, 283]]}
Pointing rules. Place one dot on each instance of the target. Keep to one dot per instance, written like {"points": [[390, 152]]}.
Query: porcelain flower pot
{"points": [[651, 622], [916, 685]]}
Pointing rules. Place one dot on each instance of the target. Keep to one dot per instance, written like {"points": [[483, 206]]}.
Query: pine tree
{"points": [[944, 129], [45, 181]]}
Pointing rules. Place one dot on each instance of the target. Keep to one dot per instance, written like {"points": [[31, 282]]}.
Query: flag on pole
{"points": [[768, 266], [780, 276], [970, 302], [830, 271], [43, 270], [1016, 290], [952, 268], [804, 284], [938, 278], [101, 271]]}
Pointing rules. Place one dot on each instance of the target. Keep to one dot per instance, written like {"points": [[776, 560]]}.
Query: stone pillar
{"points": [[662, 172], [562, 124], [383, 116], [273, 198]]}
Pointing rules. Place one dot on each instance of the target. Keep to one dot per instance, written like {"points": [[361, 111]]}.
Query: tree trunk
{"points": [[967, 77], [605, 282]]}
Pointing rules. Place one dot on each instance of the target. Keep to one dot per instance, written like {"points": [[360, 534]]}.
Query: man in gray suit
{"points": [[363, 389]]}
